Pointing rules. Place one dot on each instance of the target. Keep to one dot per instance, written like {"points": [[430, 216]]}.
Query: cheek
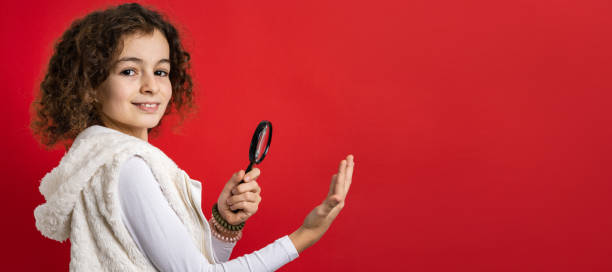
{"points": [[117, 97], [167, 91]]}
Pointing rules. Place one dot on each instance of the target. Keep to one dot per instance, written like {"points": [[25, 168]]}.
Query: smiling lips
{"points": [[147, 107]]}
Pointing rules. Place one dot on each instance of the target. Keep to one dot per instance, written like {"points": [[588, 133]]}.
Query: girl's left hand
{"points": [[240, 196]]}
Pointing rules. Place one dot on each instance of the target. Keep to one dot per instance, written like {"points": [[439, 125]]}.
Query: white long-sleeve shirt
{"points": [[162, 237]]}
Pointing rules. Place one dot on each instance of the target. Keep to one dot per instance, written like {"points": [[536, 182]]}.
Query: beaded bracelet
{"points": [[221, 230], [214, 231], [223, 223]]}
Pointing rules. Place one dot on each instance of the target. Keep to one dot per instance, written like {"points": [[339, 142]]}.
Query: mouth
{"points": [[147, 107]]}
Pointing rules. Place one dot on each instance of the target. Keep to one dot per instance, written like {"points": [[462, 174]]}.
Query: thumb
{"points": [[234, 180], [330, 203]]}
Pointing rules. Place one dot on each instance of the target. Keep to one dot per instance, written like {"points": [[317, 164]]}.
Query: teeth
{"points": [[149, 105]]}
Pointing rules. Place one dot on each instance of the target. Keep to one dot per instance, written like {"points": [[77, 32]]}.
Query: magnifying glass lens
{"points": [[261, 143]]}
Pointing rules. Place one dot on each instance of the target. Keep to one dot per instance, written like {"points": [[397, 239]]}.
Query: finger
{"points": [[341, 175], [247, 207], [332, 185], [252, 175], [251, 186], [349, 173], [248, 197]]}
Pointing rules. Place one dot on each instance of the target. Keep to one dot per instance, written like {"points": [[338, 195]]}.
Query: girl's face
{"points": [[135, 94]]}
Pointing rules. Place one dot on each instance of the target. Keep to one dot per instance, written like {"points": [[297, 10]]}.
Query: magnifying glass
{"points": [[260, 144]]}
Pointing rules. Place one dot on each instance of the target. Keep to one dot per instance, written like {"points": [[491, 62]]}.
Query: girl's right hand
{"points": [[320, 218]]}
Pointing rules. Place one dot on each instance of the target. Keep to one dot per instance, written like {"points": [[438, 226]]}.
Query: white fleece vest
{"points": [[82, 201]]}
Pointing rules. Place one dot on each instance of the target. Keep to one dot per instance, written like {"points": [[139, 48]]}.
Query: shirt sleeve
{"points": [[164, 240], [223, 249]]}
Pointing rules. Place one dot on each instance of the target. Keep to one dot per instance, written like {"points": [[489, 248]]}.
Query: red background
{"points": [[481, 129]]}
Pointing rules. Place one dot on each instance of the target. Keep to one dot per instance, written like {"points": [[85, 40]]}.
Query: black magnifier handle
{"points": [[248, 169]]}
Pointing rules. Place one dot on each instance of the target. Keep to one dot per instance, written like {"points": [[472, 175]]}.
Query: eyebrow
{"points": [[135, 59]]}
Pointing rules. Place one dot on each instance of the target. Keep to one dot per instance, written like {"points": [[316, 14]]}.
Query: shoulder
{"points": [[135, 163], [136, 179], [135, 168]]}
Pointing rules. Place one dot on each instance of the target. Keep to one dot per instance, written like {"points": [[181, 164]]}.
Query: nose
{"points": [[148, 84]]}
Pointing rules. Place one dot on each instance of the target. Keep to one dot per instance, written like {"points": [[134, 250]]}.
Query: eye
{"points": [[161, 73], [128, 72]]}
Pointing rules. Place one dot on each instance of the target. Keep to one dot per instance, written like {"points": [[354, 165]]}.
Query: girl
{"points": [[122, 202]]}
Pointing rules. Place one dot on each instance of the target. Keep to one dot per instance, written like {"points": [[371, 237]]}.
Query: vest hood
{"points": [[63, 185]]}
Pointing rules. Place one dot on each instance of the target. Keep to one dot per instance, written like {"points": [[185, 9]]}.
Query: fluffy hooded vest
{"points": [[82, 201]]}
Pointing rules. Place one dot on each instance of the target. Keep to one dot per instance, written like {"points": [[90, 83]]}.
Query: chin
{"points": [[156, 123], [151, 125], [148, 124]]}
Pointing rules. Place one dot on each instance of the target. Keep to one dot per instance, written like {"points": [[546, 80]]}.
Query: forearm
{"points": [[303, 239]]}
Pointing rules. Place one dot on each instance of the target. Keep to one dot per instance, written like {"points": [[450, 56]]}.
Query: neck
{"points": [[141, 133]]}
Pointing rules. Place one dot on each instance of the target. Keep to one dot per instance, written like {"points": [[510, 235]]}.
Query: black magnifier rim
{"points": [[255, 140]]}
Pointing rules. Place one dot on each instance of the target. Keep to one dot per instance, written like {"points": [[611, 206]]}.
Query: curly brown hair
{"points": [[82, 59]]}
